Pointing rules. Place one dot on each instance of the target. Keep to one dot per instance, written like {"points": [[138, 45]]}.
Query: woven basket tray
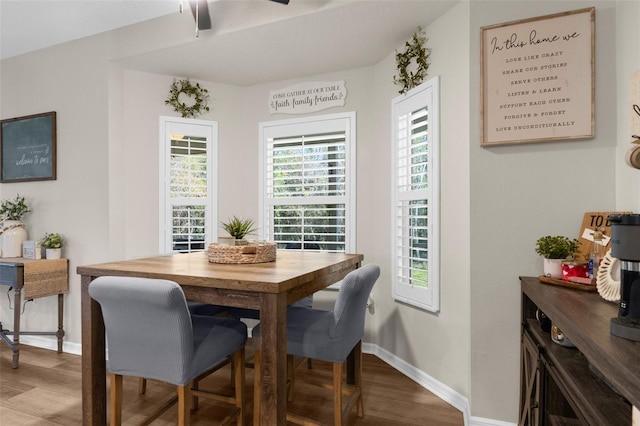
{"points": [[252, 253]]}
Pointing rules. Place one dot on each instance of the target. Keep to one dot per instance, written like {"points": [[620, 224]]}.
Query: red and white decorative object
{"points": [[572, 269]]}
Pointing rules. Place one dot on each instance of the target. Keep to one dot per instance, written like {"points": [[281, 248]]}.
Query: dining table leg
{"points": [[94, 370], [273, 366]]}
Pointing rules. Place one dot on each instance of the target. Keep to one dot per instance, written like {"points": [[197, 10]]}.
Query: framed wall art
{"points": [[538, 79], [28, 148]]}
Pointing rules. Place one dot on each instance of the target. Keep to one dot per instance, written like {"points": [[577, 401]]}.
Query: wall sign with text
{"points": [[28, 148], [307, 97], [537, 79]]}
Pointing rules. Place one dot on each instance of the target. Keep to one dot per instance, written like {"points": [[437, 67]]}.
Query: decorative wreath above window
{"points": [[197, 95], [414, 50]]}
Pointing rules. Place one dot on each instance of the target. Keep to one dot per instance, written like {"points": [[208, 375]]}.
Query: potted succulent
{"points": [[12, 232], [238, 228], [555, 249], [53, 243]]}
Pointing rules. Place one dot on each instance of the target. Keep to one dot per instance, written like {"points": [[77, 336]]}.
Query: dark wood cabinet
{"points": [[594, 383], [529, 381]]}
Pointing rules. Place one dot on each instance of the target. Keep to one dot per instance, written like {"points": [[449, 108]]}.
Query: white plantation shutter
{"points": [[307, 174], [415, 205], [188, 185], [188, 173]]}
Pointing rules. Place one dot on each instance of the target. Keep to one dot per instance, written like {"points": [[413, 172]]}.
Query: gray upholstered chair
{"points": [[195, 308], [151, 334], [330, 336]]}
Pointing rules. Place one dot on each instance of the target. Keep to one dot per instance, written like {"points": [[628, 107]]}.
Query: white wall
{"points": [[143, 96], [437, 344], [69, 79], [87, 202], [519, 193], [627, 63]]}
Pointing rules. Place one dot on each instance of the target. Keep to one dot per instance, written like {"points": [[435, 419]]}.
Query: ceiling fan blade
{"points": [[281, 1], [204, 19]]}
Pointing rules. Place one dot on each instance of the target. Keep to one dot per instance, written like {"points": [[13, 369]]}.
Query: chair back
{"points": [[148, 327], [351, 305]]}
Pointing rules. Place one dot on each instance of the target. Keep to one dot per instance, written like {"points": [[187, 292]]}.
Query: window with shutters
{"points": [[188, 213], [308, 183], [416, 196]]}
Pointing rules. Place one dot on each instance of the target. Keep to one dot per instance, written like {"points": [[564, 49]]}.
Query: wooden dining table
{"points": [[267, 287]]}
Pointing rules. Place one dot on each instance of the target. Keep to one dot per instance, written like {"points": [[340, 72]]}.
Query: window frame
{"points": [[305, 126], [427, 298], [193, 127]]}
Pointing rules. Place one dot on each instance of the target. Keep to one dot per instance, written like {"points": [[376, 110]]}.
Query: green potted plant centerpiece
{"points": [[234, 249], [555, 249], [12, 232], [237, 228], [53, 243]]}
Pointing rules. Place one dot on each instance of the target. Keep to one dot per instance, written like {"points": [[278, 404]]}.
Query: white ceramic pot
{"points": [[553, 268], [12, 237], [227, 241], [53, 253]]}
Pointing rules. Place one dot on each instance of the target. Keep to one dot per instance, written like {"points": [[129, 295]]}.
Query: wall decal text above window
{"points": [[307, 97]]}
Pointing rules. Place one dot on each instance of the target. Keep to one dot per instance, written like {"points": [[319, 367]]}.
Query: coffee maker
{"points": [[625, 245]]}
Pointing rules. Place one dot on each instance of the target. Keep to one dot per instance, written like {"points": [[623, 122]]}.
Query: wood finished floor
{"points": [[46, 390]]}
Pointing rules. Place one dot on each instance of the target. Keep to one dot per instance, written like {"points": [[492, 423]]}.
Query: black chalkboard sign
{"points": [[28, 148]]}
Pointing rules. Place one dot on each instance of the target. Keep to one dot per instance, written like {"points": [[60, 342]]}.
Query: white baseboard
{"points": [[51, 343], [479, 421], [441, 390]]}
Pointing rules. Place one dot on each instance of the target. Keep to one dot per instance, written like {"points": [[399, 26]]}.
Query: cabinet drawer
{"points": [[8, 274]]}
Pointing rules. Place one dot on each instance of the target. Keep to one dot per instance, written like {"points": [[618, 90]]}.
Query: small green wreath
{"points": [[414, 49], [199, 94]]}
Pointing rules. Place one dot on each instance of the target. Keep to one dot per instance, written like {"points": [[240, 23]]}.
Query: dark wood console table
{"points": [[31, 279], [595, 383]]}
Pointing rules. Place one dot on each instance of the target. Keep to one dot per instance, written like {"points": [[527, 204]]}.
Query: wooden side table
{"points": [[34, 278]]}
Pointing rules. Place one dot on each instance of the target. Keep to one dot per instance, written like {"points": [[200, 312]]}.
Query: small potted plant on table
{"points": [[238, 228], [53, 243], [555, 249]]}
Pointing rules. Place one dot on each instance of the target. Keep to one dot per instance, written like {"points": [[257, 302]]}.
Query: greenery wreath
{"points": [[414, 49], [199, 94]]}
